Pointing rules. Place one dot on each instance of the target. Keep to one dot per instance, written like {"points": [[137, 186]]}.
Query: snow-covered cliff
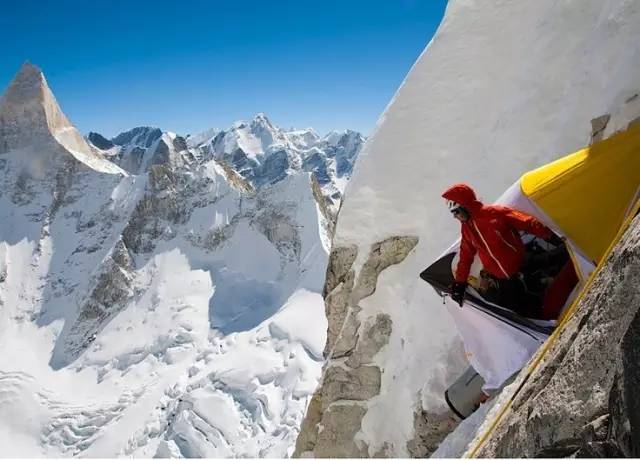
{"points": [[152, 311], [501, 88]]}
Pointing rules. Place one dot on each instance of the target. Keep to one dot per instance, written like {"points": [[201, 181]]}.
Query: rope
{"points": [[473, 451]]}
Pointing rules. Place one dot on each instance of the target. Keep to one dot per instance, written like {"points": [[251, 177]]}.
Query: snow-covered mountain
{"points": [[138, 149], [502, 88], [261, 152], [264, 154], [153, 303]]}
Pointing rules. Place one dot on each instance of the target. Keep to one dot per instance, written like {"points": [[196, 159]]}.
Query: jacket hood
{"points": [[464, 196]]}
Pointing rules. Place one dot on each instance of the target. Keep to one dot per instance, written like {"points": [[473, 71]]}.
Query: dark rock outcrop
{"points": [[99, 141], [144, 136]]}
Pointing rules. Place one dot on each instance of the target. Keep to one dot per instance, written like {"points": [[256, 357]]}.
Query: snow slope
{"points": [[174, 312], [501, 88]]}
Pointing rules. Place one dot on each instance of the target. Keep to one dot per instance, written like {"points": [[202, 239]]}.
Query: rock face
{"points": [[350, 376], [582, 400], [31, 120]]}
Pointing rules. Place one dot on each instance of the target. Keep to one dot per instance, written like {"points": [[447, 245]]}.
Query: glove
{"points": [[555, 240], [457, 292]]}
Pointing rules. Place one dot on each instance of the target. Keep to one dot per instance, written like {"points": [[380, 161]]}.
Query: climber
{"points": [[493, 233]]}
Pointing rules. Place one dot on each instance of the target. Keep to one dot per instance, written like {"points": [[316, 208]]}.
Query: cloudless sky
{"points": [[186, 66]]}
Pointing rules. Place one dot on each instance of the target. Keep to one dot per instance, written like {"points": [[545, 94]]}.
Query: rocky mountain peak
{"points": [[30, 116], [138, 149], [28, 109], [27, 85], [264, 154], [261, 122], [99, 141], [143, 136]]}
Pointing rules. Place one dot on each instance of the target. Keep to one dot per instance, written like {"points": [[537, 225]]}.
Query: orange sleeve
{"points": [[467, 252], [524, 222]]}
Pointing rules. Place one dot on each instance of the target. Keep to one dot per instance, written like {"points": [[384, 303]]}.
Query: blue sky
{"points": [[190, 65]]}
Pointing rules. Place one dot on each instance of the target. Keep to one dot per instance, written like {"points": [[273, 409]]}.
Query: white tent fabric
{"points": [[496, 349]]}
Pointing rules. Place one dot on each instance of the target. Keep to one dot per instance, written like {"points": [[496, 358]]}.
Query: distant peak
{"points": [[143, 135], [262, 120], [99, 141]]}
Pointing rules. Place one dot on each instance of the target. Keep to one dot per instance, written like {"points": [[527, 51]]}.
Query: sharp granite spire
{"points": [[30, 116]]}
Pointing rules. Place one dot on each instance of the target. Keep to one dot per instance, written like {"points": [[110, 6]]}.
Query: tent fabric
{"points": [[495, 349], [440, 276], [515, 197], [589, 193], [439, 273], [584, 197], [497, 341]]}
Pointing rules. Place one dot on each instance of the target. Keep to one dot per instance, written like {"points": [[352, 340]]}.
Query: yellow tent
{"points": [[589, 193], [586, 197]]}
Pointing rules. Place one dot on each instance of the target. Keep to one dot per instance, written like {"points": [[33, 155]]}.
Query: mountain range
{"points": [[262, 153], [161, 294]]}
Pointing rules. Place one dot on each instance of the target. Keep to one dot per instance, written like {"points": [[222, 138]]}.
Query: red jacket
{"points": [[492, 232]]}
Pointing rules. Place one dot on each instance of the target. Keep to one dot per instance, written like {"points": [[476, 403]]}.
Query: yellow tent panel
{"points": [[589, 193]]}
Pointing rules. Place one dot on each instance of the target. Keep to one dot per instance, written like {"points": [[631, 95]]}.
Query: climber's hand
{"points": [[457, 292]]}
